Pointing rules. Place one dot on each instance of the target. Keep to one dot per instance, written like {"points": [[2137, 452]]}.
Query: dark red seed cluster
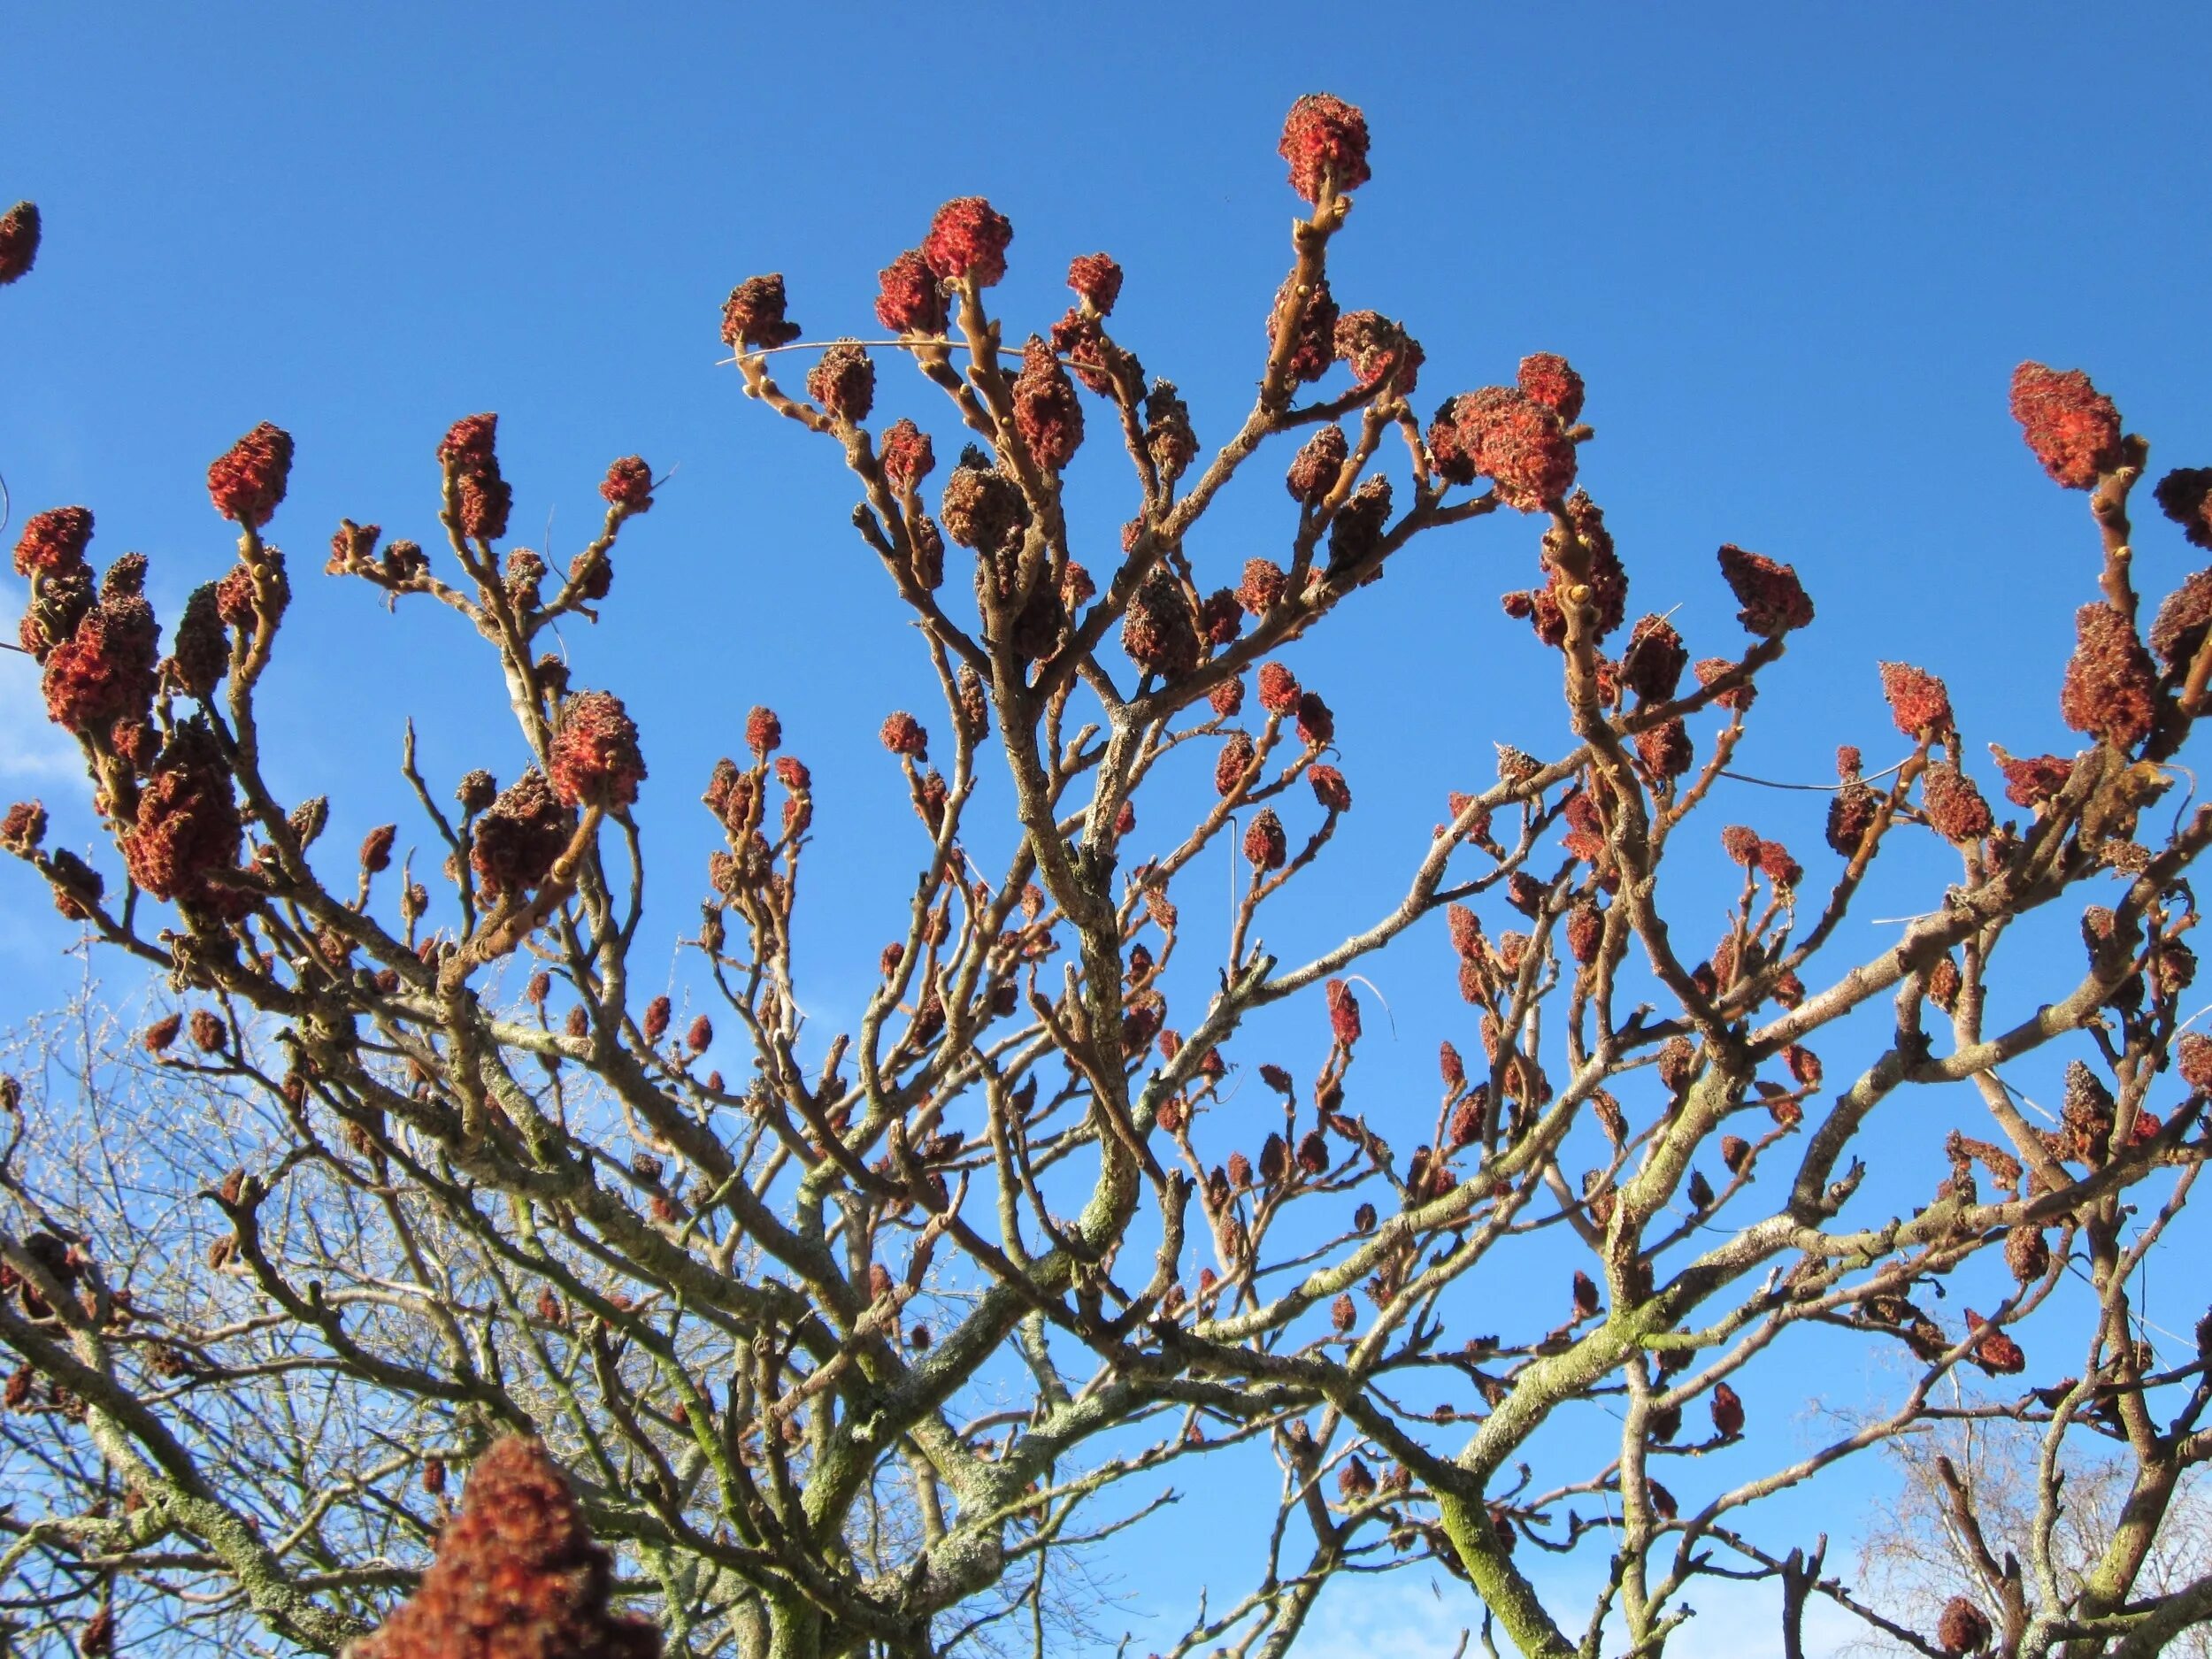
{"points": [[1919, 701], [1097, 277], [968, 239], [1964, 1627], [1315, 469], [1279, 688], [2178, 633], [982, 508], [1653, 664], [104, 671], [186, 830], [1330, 789], [1046, 411], [1159, 631], [1502, 434], [1773, 601], [247, 481], [907, 456], [1952, 806], [1233, 762], [519, 837], [54, 540], [1325, 139], [1314, 347], [629, 485], [908, 297], [1265, 846], [1550, 380], [1263, 585], [18, 240], [843, 381], [1665, 749], [902, 735], [517, 1575], [2033, 779], [1379, 350], [2111, 686], [595, 760], [483, 498], [763, 733], [1343, 1012], [2072, 427], [1168, 437], [2184, 496], [753, 317], [1709, 669]]}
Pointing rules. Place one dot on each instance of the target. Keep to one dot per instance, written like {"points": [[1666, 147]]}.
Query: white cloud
{"points": [[30, 746]]}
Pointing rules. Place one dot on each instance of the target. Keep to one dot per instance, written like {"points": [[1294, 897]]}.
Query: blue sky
{"points": [[1795, 251]]}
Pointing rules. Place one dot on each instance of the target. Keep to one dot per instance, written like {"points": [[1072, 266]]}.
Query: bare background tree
{"points": [[853, 1346]]}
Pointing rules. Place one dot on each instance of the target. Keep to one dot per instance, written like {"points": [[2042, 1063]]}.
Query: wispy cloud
{"points": [[29, 747]]}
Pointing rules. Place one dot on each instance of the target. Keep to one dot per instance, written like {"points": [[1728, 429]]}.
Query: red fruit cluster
{"points": [[2111, 686], [902, 735], [53, 541], [1159, 632], [247, 481], [1168, 437], [1046, 411], [1265, 846], [1343, 1012], [1952, 806], [1653, 664], [2033, 779], [1314, 347], [1356, 533], [200, 655], [1325, 139], [519, 837], [187, 831], [1279, 688], [1316, 468], [1963, 1628], [908, 298], [1502, 434], [483, 498], [1378, 349], [104, 671], [596, 759], [1665, 749], [968, 239], [1550, 380], [517, 1576], [2184, 496], [1263, 585], [2178, 632], [1097, 277], [1234, 761], [753, 317], [2072, 427], [1330, 789], [1919, 701], [982, 508], [843, 381], [763, 733], [18, 240], [628, 485], [1773, 600], [907, 456]]}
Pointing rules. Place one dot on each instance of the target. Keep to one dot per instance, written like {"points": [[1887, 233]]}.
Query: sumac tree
{"points": [[839, 1349]]}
